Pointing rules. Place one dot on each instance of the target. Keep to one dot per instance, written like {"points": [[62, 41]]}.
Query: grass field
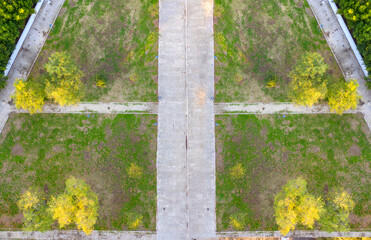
{"points": [[256, 41], [114, 39], [45, 149], [329, 151]]}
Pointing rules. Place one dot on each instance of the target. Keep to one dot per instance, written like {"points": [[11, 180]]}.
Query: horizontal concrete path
{"points": [[143, 235], [273, 108], [78, 235], [98, 107]]}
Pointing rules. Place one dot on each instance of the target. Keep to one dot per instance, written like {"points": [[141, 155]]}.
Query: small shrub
{"points": [[241, 56], [153, 11], [151, 40], [130, 56], [134, 171], [271, 84], [134, 220], [100, 80], [220, 40], [238, 78], [134, 77], [101, 83], [237, 221], [272, 81], [218, 11], [237, 172]]}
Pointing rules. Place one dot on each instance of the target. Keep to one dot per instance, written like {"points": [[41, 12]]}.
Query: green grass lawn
{"points": [[329, 151], [45, 149], [258, 40], [113, 38]]}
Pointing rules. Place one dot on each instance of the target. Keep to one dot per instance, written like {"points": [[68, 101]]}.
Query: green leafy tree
{"points": [[63, 83], [28, 95], [294, 205], [77, 205], [12, 19], [337, 209], [33, 204], [308, 85], [343, 96]]}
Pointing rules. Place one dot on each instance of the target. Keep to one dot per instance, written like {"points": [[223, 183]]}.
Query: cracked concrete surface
{"points": [[186, 140], [78, 235], [273, 108], [98, 107]]}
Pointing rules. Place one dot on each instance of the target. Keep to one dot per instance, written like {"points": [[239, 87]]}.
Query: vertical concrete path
{"points": [[186, 140]]}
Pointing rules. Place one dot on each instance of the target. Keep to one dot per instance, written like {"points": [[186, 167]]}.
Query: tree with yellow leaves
{"points": [[294, 205], [337, 209], [308, 85], [63, 83], [77, 205], [28, 95], [36, 216], [343, 96]]}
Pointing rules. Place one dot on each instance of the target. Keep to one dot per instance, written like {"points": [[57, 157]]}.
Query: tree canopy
{"points": [[28, 95], [77, 205], [294, 205], [308, 85], [343, 96], [33, 204], [63, 83]]}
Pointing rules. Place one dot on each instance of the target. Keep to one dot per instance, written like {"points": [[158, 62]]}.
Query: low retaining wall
{"points": [[349, 37], [23, 37]]}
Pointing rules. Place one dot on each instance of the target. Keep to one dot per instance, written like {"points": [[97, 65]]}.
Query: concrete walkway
{"points": [[143, 235], [98, 107], [296, 234], [186, 154], [342, 51], [28, 54], [78, 235], [273, 108]]}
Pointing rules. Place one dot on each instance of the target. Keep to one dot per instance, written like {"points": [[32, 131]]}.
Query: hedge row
{"points": [[358, 15], [13, 15]]}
